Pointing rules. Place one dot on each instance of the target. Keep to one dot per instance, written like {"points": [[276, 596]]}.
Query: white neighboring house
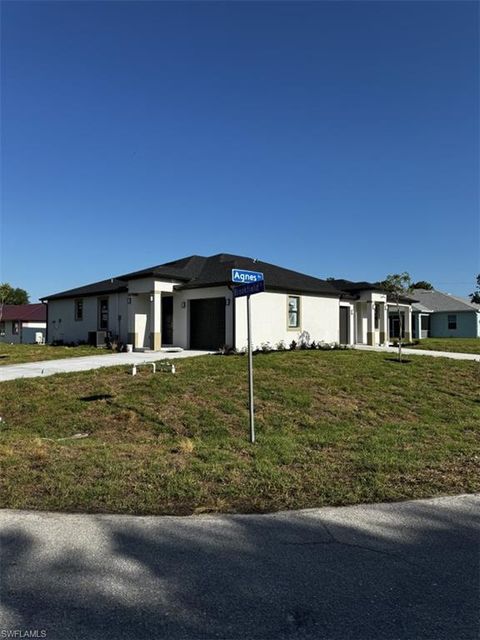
{"points": [[189, 303], [23, 323]]}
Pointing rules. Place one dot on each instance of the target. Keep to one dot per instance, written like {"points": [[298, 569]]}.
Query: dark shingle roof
{"points": [[198, 271], [216, 270], [112, 285], [355, 287], [24, 312]]}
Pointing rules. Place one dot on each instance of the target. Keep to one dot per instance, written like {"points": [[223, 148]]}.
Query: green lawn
{"points": [[17, 353], [461, 345], [333, 428]]}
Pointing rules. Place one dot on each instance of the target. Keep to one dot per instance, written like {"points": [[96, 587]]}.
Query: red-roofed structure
{"points": [[23, 323], [24, 312]]}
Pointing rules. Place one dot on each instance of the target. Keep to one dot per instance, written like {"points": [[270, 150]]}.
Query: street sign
{"points": [[252, 282], [248, 289], [243, 277]]}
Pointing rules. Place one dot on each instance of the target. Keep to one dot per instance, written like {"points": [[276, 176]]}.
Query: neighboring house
{"points": [[441, 315], [374, 315], [189, 303], [23, 323]]}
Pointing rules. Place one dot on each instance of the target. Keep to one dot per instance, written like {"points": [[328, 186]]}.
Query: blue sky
{"points": [[335, 138]]}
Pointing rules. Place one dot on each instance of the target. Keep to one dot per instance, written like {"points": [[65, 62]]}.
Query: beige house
{"points": [[189, 303]]}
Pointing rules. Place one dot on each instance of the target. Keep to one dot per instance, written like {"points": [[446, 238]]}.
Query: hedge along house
{"points": [[188, 303], [23, 323], [441, 315]]}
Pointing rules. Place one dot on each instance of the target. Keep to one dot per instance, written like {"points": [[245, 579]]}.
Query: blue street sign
{"points": [[248, 289], [244, 277]]}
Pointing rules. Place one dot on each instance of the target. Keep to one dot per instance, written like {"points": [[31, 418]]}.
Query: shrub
{"points": [[293, 345], [281, 346]]}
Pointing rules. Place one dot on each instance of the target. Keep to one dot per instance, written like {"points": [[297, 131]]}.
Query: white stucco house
{"points": [[23, 323], [189, 303]]}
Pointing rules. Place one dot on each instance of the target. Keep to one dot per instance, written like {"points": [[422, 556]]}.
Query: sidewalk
{"points": [[73, 365], [422, 352]]}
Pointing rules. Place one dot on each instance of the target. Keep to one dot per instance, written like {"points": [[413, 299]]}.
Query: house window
{"points": [[452, 322], [293, 312], [103, 314], [377, 316], [2, 328], [425, 323], [15, 327], [79, 309]]}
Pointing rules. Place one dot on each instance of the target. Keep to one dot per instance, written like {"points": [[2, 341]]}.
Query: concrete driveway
{"points": [[85, 363], [387, 571]]}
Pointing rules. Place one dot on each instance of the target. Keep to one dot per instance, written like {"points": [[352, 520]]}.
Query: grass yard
{"points": [[460, 345], [18, 353], [333, 428]]}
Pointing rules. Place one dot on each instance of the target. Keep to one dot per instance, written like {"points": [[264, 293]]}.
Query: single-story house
{"points": [[23, 323], [441, 315], [189, 303]]}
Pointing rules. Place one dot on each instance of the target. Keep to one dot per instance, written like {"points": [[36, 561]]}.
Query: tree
{"points": [[398, 285], [423, 284], [475, 296], [9, 295]]}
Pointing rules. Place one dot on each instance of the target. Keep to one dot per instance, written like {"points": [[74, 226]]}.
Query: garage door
{"points": [[207, 323]]}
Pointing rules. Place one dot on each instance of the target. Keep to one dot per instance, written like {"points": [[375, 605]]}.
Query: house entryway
{"points": [[167, 320]]}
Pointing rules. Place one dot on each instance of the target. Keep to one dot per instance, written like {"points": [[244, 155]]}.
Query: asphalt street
{"points": [[389, 571]]}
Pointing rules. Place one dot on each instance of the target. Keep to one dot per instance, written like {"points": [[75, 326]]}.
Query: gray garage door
{"points": [[207, 323]]}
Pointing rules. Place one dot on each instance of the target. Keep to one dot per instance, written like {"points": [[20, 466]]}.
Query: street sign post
{"points": [[252, 282]]}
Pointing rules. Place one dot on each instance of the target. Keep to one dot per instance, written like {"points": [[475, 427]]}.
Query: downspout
{"points": [[46, 329], [232, 304]]}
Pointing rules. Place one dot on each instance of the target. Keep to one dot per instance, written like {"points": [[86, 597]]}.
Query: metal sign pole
{"points": [[250, 374]]}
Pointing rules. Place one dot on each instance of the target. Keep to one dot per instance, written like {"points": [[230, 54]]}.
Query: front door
{"points": [[344, 325], [167, 320], [394, 326]]}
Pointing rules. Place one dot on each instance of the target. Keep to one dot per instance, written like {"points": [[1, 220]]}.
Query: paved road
{"points": [[84, 363], [422, 352], [388, 571]]}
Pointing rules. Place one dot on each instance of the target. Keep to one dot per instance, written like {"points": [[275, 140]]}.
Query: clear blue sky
{"points": [[335, 138]]}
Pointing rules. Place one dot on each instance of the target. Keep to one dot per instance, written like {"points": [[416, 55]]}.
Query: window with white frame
{"points": [[293, 312], [15, 327]]}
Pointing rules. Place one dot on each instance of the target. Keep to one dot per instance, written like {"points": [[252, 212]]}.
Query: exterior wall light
{"points": [[184, 304], [227, 302]]}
